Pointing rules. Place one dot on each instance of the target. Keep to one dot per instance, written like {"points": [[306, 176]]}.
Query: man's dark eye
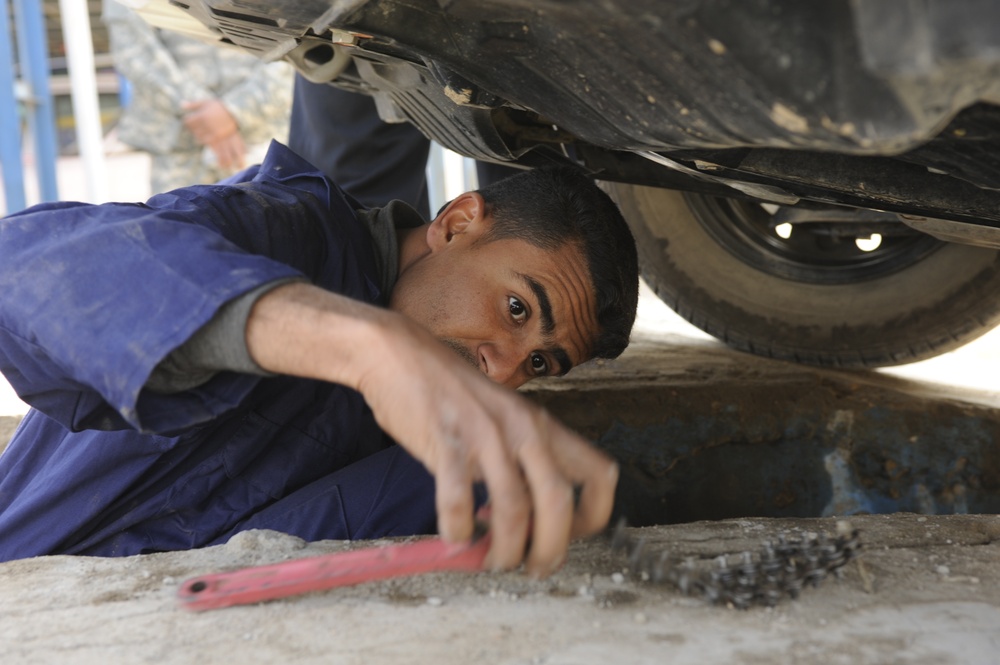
{"points": [[517, 309], [538, 364]]}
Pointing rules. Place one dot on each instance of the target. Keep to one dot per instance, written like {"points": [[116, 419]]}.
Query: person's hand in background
{"points": [[214, 126]]}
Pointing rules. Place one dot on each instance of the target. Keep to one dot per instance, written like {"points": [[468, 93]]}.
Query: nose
{"points": [[503, 364]]}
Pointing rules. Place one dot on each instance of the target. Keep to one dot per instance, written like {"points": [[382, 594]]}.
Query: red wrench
{"points": [[252, 585]]}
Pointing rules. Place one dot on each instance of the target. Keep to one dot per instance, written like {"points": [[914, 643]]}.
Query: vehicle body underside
{"points": [[836, 121]]}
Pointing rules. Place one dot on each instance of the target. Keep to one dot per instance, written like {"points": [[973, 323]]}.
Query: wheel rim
{"points": [[812, 253]]}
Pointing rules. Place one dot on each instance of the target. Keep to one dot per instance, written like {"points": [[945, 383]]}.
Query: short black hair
{"points": [[549, 207]]}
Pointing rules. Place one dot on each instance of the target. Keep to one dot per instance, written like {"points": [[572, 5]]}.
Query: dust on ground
{"points": [[927, 591]]}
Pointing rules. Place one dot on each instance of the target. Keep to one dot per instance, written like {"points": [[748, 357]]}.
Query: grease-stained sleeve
{"points": [[95, 296]]}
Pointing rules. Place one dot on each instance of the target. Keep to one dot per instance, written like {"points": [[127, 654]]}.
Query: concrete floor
{"points": [[737, 448]]}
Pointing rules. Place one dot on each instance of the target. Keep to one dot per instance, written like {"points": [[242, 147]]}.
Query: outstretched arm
{"points": [[460, 425]]}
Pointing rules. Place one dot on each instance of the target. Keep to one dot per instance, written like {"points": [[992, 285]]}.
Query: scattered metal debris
{"points": [[780, 569]]}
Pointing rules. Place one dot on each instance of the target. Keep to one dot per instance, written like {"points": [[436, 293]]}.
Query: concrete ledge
{"points": [[704, 432]]}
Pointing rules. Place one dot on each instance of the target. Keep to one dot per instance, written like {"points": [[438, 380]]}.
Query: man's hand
{"points": [[459, 424], [213, 125]]}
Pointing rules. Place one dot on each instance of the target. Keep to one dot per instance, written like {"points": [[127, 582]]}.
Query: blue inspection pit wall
{"points": [[705, 433]]}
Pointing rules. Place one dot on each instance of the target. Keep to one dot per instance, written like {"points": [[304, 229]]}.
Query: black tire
{"points": [[917, 298]]}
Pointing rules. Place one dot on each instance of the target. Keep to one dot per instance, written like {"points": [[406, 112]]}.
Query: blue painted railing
{"points": [[32, 45], [10, 125]]}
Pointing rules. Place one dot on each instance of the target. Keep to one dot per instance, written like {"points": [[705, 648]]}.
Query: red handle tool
{"points": [[252, 585]]}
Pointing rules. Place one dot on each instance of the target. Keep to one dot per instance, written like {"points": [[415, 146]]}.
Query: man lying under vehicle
{"points": [[249, 354]]}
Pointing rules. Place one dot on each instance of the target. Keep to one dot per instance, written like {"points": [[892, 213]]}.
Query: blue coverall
{"points": [[92, 298]]}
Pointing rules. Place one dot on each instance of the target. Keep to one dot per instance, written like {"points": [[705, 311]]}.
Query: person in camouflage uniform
{"points": [[202, 112]]}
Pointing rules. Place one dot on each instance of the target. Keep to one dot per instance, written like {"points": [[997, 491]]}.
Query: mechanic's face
{"points": [[511, 309]]}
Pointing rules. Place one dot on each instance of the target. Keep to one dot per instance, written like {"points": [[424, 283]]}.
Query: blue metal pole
{"points": [[33, 45], [10, 123]]}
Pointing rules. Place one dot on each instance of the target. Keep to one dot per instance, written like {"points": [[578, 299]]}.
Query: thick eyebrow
{"points": [[562, 359], [544, 304], [548, 322]]}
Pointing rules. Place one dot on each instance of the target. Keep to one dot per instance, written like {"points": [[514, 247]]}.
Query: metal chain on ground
{"points": [[778, 570]]}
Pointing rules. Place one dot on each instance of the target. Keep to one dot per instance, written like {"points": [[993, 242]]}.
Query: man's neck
{"points": [[412, 246]]}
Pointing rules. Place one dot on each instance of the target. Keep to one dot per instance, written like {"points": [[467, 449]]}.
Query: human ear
{"points": [[461, 219]]}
